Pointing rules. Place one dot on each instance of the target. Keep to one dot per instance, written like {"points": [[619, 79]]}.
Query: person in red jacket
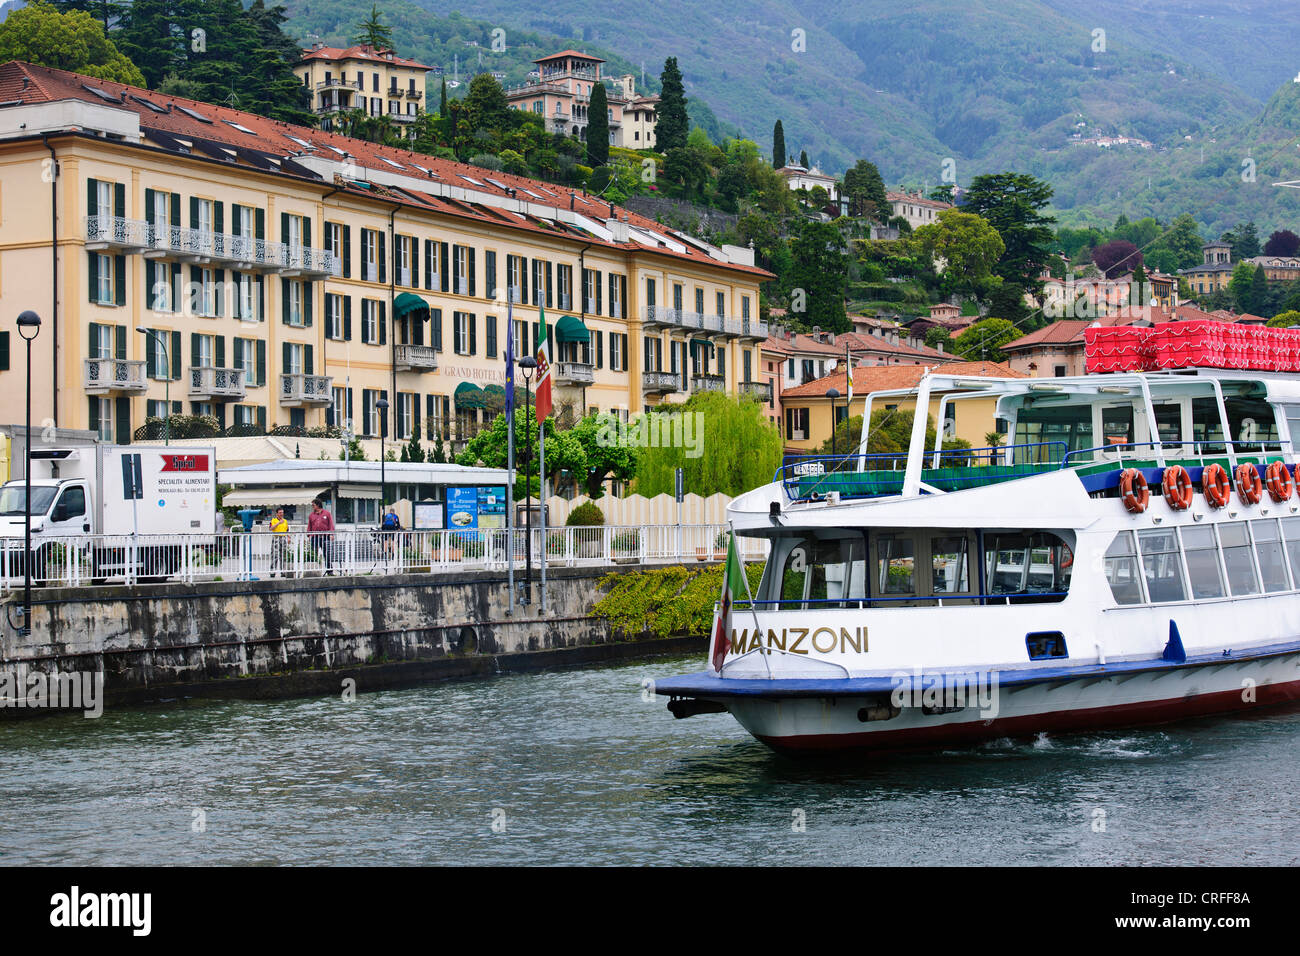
{"points": [[320, 524]]}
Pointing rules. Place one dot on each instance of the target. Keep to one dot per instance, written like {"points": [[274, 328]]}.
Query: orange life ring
{"points": [[1217, 487], [1065, 557], [1279, 481], [1133, 490], [1249, 486], [1177, 487]]}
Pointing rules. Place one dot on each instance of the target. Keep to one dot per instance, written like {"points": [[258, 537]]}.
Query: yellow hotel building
{"points": [[290, 278]]}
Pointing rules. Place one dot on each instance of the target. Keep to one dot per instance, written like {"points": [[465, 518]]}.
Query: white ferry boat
{"points": [[1131, 556]]}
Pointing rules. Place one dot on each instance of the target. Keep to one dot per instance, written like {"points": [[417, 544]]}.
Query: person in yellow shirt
{"points": [[279, 542]]}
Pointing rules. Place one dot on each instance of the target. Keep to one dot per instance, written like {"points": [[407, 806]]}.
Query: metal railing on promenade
{"points": [[93, 560]]}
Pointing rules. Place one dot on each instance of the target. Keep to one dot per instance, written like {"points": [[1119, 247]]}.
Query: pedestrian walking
{"points": [[279, 543]]}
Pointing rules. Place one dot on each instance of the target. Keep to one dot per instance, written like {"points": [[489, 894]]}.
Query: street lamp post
{"points": [[167, 379], [382, 405], [529, 364], [29, 320], [832, 394]]}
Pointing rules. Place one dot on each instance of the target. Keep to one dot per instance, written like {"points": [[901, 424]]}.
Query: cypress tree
{"points": [[671, 125], [778, 145], [803, 158], [598, 127], [1258, 291]]}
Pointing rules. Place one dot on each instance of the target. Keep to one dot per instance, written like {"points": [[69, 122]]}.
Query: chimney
{"points": [[939, 346]]}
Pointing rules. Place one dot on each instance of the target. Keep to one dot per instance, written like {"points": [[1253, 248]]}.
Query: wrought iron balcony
{"points": [[298, 390], [103, 376], [660, 382], [115, 233], [415, 358], [574, 373], [708, 383], [216, 384], [759, 390]]}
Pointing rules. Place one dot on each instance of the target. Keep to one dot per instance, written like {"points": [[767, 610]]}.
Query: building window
{"points": [[333, 316], [369, 322], [369, 255], [294, 291]]}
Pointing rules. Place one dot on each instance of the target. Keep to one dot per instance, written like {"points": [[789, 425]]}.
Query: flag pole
{"points": [[510, 455], [541, 492]]}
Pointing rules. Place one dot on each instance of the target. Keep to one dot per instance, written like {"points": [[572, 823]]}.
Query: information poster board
{"points": [[427, 515], [491, 506], [462, 508]]}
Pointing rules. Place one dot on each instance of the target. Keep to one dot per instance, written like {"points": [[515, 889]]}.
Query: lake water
{"points": [[575, 767]]}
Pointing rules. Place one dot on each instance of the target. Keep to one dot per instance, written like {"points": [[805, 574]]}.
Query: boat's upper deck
{"points": [[1096, 425]]}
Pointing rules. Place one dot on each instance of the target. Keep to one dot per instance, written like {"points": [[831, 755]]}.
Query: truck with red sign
{"points": [[91, 492]]}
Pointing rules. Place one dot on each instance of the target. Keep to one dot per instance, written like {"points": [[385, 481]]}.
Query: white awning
{"points": [[358, 491], [269, 497]]}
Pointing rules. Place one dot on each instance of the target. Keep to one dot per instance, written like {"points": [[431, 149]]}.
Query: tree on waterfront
{"points": [[39, 33], [671, 123], [740, 449], [373, 32], [598, 127], [778, 145]]}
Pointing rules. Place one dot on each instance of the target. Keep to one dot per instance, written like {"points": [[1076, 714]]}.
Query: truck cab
{"points": [[59, 507]]}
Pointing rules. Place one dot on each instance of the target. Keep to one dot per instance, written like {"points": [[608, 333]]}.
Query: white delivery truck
{"points": [[90, 491]]}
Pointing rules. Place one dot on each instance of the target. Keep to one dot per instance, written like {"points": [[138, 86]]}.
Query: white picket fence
{"points": [[93, 560]]}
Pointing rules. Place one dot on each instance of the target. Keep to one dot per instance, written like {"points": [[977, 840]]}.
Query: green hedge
{"points": [[665, 601]]}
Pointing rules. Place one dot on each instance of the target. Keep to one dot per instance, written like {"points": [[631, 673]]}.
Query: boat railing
{"points": [[912, 600], [1123, 454], [813, 477]]}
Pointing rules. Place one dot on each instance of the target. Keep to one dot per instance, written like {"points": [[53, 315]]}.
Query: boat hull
{"points": [[810, 724]]}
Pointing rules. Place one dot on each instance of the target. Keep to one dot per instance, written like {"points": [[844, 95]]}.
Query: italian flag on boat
{"points": [[732, 583], [543, 370]]}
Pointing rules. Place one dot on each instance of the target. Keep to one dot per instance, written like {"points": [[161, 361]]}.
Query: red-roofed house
{"points": [[379, 82], [561, 95], [294, 278]]}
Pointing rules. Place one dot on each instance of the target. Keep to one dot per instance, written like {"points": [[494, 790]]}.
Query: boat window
{"points": [[1237, 559], [821, 572], [950, 565], [1207, 426], [1268, 549], [1162, 565], [1070, 424], [1292, 413], [1169, 422], [1251, 420], [1026, 563], [895, 564], [1291, 531], [1117, 424], [1203, 562], [1121, 570]]}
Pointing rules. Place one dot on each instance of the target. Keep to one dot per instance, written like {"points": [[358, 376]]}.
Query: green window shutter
{"points": [[600, 349], [428, 264], [194, 212], [533, 286], [92, 202], [238, 355], [151, 356], [284, 301], [383, 322], [284, 227], [219, 351], [415, 262], [347, 318], [306, 231], [381, 258], [598, 277], [218, 217], [234, 218], [4, 351], [435, 327], [92, 332], [220, 413], [261, 362], [472, 273], [347, 252], [194, 350], [176, 209], [549, 272], [306, 304], [306, 360], [261, 300], [261, 418], [489, 274], [92, 273], [119, 280], [93, 418], [285, 366], [446, 267], [122, 420], [119, 200], [490, 327], [119, 341], [148, 206], [175, 355], [472, 319], [455, 330], [259, 224]]}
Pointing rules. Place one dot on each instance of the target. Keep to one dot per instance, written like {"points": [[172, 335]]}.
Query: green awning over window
{"points": [[570, 329], [469, 395], [406, 302]]}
